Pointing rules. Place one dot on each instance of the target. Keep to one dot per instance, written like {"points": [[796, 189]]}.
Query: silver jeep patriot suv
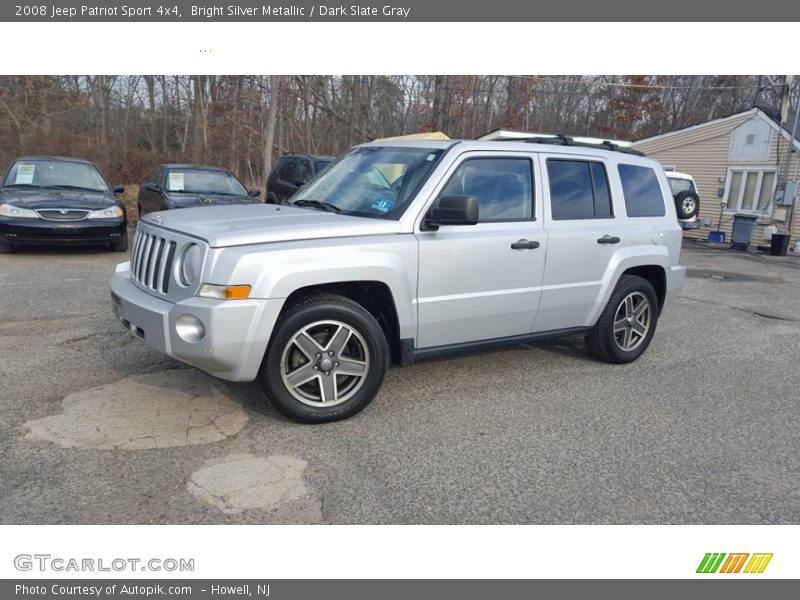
{"points": [[405, 250]]}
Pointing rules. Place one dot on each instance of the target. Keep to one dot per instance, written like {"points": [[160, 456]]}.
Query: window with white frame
{"points": [[750, 190]]}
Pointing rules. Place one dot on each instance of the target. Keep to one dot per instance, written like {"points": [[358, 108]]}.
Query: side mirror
{"points": [[453, 210], [300, 183], [254, 193], [118, 189], [152, 187]]}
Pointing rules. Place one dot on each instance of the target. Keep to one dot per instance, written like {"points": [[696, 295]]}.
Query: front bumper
{"points": [[44, 232], [236, 331]]}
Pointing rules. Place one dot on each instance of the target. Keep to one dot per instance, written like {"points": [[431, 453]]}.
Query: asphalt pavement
{"points": [[97, 428]]}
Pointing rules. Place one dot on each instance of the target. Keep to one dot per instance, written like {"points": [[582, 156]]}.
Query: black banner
{"points": [[406, 10], [282, 589]]}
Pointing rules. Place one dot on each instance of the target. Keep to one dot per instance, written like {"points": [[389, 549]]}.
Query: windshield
{"points": [[321, 163], [372, 181], [197, 181], [55, 173], [680, 185]]}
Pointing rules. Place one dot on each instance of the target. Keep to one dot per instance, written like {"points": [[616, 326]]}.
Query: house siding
{"points": [[702, 152]]}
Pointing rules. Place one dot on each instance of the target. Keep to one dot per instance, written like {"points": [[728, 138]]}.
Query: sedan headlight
{"points": [[190, 265], [7, 210], [112, 212]]}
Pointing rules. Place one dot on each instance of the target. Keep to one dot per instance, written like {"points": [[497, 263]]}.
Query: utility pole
{"points": [[785, 106], [792, 137]]}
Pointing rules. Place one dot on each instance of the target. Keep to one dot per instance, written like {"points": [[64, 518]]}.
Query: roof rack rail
{"points": [[564, 140]]}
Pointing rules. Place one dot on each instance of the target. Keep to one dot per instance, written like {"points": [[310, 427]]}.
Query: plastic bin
{"points": [[779, 244], [718, 237], [743, 227]]}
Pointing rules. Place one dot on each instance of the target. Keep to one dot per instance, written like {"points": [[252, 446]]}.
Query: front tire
{"points": [[326, 361], [627, 324]]}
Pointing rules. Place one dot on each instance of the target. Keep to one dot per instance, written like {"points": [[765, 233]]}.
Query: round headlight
{"points": [[190, 265]]}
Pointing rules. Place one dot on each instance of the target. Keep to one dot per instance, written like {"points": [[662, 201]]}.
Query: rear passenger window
{"points": [[503, 186], [578, 189], [643, 197]]}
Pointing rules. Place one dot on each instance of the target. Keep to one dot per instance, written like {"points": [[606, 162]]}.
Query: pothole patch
{"points": [[179, 407], [241, 482]]}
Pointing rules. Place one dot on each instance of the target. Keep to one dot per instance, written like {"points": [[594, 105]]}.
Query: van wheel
{"points": [[686, 204], [627, 323], [326, 361]]}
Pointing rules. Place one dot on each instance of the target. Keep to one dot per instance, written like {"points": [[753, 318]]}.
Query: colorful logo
{"points": [[713, 562]]}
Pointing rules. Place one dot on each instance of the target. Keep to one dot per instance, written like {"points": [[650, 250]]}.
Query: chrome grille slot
{"points": [[151, 260]]}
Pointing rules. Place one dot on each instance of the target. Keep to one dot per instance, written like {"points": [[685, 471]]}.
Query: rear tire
{"points": [[627, 324], [326, 361]]}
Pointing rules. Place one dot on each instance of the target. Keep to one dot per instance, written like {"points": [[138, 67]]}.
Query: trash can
{"points": [[779, 244], [743, 226]]}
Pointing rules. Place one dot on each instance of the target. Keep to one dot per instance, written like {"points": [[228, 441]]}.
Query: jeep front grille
{"points": [[151, 260]]}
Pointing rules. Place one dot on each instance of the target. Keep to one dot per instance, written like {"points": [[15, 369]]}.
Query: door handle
{"points": [[524, 245], [608, 239]]}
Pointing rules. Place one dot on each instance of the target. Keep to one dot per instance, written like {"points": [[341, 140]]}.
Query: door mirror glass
{"points": [[152, 187], [254, 193], [453, 210]]}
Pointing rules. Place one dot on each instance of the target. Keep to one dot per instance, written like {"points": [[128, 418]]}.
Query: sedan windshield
{"points": [[55, 174], [376, 181], [198, 181]]}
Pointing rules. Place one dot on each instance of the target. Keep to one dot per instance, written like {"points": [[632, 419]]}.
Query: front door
{"points": [[483, 281]]}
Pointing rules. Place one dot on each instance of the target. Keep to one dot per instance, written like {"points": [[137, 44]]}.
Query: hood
{"points": [[261, 223], [35, 199], [188, 200]]}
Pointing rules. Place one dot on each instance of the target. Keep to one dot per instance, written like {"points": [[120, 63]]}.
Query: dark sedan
{"points": [[183, 186], [59, 201]]}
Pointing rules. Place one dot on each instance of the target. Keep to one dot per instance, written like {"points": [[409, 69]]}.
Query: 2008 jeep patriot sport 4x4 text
{"points": [[404, 250]]}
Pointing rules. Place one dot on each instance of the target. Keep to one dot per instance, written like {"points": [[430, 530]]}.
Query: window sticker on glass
{"points": [[176, 182], [430, 156], [25, 174], [382, 205]]}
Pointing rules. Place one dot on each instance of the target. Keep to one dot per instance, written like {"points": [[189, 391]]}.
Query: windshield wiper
{"points": [[200, 193], [326, 206], [23, 185], [76, 187]]}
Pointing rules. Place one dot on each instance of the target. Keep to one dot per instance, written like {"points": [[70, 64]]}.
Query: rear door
{"points": [[483, 281], [584, 231]]}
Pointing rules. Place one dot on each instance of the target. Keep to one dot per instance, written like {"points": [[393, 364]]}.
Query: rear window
{"points": [[643, 197], [578, 190], [680, 185]]}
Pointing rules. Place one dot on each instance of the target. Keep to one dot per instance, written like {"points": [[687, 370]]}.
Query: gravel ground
{"points": [[97, 428]]}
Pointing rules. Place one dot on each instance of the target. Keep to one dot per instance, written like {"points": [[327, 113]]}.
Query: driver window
{"points": [[503, 186]]}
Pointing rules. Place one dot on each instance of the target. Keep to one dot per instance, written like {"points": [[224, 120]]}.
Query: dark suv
{"points": [[291, 172]]}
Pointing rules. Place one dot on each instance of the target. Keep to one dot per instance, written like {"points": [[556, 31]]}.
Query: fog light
{"points": [[189, 328]]}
